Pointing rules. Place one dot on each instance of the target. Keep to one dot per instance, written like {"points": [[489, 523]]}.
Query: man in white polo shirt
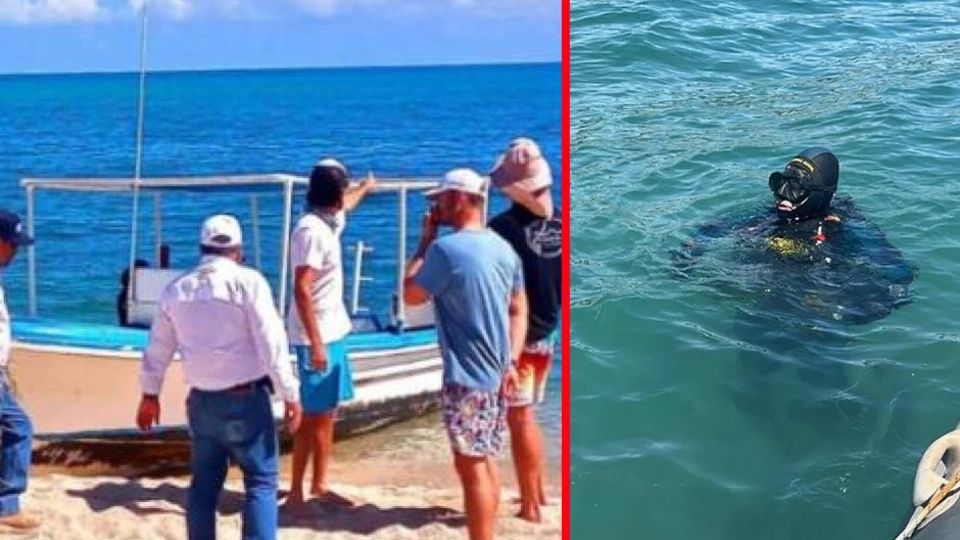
{"points": [[220, 316]]}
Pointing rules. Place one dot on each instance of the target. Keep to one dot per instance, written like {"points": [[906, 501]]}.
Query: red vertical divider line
{"points": [[565, 331]]}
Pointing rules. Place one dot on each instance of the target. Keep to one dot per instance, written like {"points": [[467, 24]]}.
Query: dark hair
{"points": [[223, 251], [327, 186]]}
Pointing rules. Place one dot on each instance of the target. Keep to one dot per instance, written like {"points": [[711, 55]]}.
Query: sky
{"points": [[46, 36]]}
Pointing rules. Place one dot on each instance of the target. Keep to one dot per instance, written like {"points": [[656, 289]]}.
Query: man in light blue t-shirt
{"points": [[475, 281]]}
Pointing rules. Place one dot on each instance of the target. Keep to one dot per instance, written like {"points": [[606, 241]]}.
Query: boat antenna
{"points": [[139, 157]]}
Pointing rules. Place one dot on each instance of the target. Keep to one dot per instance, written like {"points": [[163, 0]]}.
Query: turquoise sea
{"points": [[394, 122], [680, 110]]}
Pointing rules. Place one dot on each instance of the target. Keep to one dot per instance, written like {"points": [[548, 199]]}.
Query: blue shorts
{"points": [[322, 391]]}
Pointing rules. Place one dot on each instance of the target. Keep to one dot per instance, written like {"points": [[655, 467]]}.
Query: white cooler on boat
{"points": [[148, 284]]}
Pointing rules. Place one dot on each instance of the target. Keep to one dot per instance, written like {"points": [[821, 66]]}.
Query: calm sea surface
{"points": [[681, 110], [392, 121]]}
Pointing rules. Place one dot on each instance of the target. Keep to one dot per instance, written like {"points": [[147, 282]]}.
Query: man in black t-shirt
{"points": [[532, 226]]}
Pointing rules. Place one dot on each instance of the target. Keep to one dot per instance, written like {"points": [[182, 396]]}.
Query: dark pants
{"points": [[237, 426], [16, 437]]}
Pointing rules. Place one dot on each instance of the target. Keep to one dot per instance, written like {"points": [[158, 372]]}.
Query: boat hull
{"points": [[945, 527], [77, 392]]}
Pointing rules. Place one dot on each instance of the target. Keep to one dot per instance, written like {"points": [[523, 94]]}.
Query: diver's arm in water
{"points": [[895, 269], [885, 285], [685, 257], [884, 255], [896, 275]]}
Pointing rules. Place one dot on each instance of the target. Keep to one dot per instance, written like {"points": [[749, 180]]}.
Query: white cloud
{"points": [[322, 8], [47, 11], [176, 9], [508, 8], [185, 9], [181, 9], [327, 8]]}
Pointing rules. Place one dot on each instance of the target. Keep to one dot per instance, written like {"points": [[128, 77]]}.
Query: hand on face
{"points": [[430, 225]]}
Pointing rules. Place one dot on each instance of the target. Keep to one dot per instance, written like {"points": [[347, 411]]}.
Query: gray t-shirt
{"points": [[471, 275]]}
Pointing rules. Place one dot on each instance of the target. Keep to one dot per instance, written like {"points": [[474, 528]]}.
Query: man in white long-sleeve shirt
{"points": [[221, 318]]}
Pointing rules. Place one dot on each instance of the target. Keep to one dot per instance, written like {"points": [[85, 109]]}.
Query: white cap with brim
{"points": [[463, 180], [522, 166], [221, 231], [331, 163]]}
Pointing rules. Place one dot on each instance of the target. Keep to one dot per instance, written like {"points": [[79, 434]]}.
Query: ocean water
{"points": [[680, 110], [395, 122]]}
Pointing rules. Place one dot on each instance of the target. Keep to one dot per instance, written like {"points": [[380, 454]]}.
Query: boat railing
{"points": [[256, 186], [359, 249]]}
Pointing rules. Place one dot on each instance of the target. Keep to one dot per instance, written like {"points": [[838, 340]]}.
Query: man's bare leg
{"points": [[303, 446], [526, 444], [494, 471], [540, 491], [479, 497], [323, 440]]}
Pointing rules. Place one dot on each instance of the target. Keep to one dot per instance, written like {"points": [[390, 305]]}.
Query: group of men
{"points": [[496, 289]]}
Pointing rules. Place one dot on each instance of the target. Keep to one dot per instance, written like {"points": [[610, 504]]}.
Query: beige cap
{"points": [[522, 166]]}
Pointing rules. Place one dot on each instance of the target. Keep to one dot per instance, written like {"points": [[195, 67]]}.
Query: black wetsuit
{"points": [[852, 274], [801, 291]]}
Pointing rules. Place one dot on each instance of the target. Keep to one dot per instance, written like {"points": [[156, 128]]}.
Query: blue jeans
{"points": [[16, 437], [233, 426]]}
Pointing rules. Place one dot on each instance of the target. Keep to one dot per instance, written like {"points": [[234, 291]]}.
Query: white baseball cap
{"points": [[221, 231], [331, 163], [464, 180]]}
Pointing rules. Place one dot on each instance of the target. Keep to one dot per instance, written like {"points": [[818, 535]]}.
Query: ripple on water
{"points": [[680, 110]]}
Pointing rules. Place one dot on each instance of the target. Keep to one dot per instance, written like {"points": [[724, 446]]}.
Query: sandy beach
{"points": [[399, 488]]}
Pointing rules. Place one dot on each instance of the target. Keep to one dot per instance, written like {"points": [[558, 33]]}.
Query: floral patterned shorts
{"points": [[476, 421]]}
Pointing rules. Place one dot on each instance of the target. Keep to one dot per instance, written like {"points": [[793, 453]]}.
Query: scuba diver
{"points": [[811, 266]]}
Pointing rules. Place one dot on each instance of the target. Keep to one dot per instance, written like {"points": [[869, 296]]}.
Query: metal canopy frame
{"points": [[254, 185]]}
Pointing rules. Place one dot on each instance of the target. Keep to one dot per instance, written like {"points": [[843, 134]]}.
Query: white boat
{"points": [[936, 490], [80, 379]]}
